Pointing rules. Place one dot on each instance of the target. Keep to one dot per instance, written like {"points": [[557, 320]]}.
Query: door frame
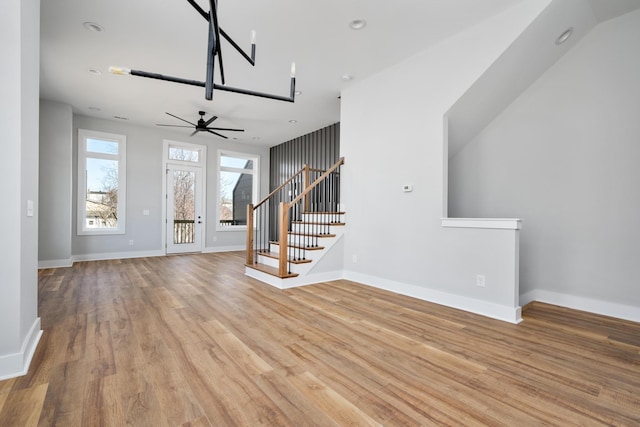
{"points": [[202, 164]]}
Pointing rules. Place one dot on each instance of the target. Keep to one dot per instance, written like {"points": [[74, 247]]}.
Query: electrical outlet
{"points": [[130, 242], [480, 280]]}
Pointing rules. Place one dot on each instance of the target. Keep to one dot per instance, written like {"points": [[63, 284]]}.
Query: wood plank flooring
{"points": [[190, 341]]}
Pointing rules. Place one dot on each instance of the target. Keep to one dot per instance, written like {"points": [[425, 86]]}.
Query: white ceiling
{"points": [[170, 37]]}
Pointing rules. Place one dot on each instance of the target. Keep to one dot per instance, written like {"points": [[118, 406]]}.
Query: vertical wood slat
{"points": [[283, 216], [249, 234]]}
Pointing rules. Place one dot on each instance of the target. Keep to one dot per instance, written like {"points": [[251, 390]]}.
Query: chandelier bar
{"points": [[214, 49]]}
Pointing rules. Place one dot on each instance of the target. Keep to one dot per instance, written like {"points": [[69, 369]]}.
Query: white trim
{"points": [[493, 223], [605, 308], [215, 249], [81, 185], [255, 173], [117, 255], [202, 164], [484, 308], [293, 282], [55, 263], [17, 364]]}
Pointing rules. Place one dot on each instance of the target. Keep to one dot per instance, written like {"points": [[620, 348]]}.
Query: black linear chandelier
{"points": [[213, 50]]}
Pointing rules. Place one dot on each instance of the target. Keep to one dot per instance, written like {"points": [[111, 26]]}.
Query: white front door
{"points": [[185, 215]]}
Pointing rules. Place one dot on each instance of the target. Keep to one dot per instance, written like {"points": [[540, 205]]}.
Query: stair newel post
{"points": [[283, 219], [249, 234]]}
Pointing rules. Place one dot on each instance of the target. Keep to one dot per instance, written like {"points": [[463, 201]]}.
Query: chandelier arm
{"points": [[216, 29], [201, 11], [290, 98], [211, 52], [251, 59], [157, 76]]}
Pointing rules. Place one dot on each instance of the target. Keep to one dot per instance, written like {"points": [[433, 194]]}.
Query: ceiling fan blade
{"points": [[216, 133], [186, 121], [208, 122], [174, 126], [229, 129], [194, 132]]}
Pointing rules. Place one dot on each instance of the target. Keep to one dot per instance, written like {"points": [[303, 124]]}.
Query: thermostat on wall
{"points": [[407, 188]]}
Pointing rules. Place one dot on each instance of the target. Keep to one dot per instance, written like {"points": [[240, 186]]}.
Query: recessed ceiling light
{"points": [[120, 118], [256, 138], [94, 71], [357, 24], [347, 77], [94, 108], [92, 26], [293, 121], [564, 36]]}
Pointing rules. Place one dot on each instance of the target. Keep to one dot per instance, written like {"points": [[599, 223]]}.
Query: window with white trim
{"points": [[101, 182], [238, 184]]}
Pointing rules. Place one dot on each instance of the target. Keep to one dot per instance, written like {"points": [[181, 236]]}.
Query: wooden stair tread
{"points": [[274, 255], [273, 271], [292, 233], [318, 223], [314, 248], [323, 213]]}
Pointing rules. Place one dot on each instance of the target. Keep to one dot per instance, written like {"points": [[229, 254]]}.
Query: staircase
{"points": [[294, 235]]}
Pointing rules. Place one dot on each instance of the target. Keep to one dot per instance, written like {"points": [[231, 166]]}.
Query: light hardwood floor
{"points": [[190, 341]]}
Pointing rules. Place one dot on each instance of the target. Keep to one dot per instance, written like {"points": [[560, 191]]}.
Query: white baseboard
{"points": [[55, 263], [17, 364], [117, 255], [484, 308], [605, 308], [60, 263], [293, 282], [214, 249]]}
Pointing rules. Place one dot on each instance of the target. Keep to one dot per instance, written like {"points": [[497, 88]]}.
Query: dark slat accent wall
{"points": [[319, 149]]}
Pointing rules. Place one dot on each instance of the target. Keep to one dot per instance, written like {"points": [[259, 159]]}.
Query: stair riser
{"points": [[275, 249], [310, 217], [315, 228], [272, 262], [305, 240]]}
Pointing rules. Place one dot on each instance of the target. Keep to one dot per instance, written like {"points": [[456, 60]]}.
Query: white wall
{"points": [[55, 187], [565, 157], [392, 134], [144, 190], [19, 322]]}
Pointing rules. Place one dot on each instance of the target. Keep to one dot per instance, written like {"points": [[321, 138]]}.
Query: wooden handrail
{"points": [[317, 181], [283, 214], [280, 187]]}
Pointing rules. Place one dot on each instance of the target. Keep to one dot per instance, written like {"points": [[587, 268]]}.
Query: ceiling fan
{"points": [[202, 125]]}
